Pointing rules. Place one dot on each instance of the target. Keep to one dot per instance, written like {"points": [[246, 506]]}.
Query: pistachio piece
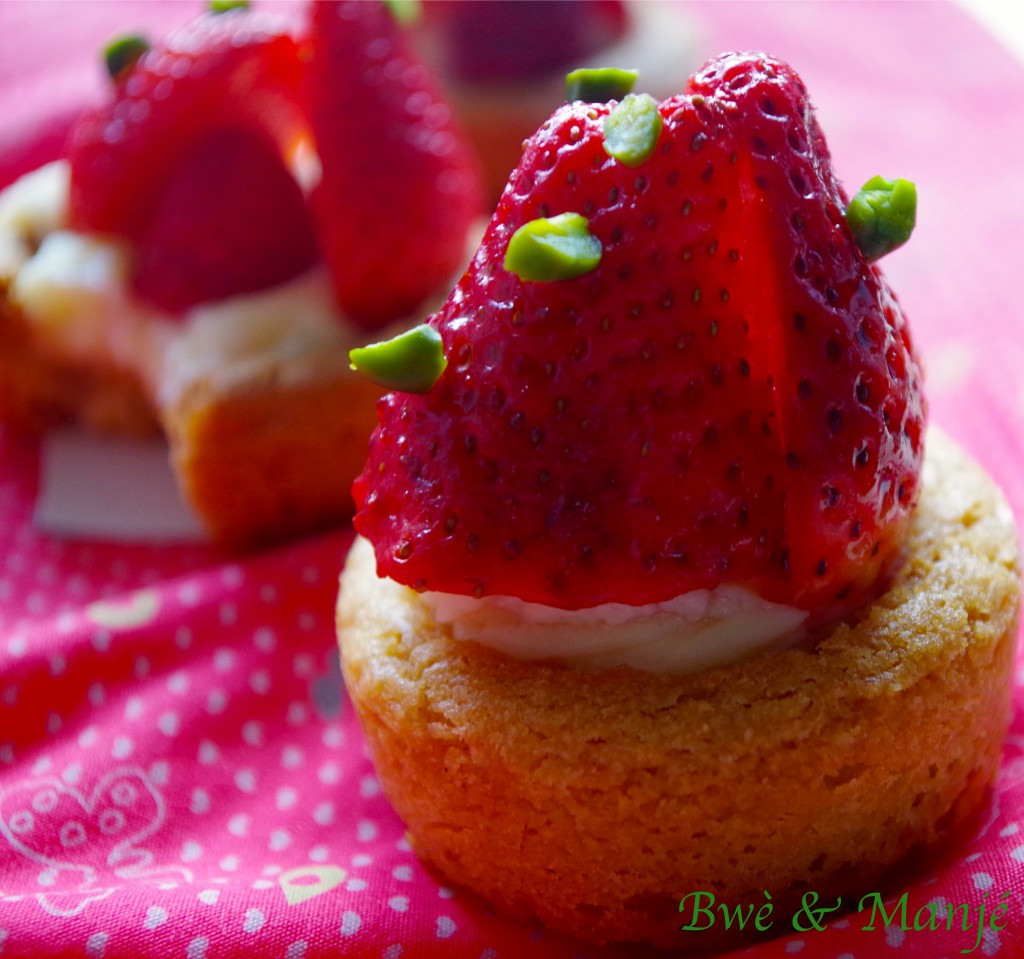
{"points": [[632, 129], [553, 248], [882, 216], [598, 84], [123, 53], [411, 362]]}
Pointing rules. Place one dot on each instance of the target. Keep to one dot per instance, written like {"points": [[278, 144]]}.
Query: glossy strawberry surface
{"points": [[730, 396], [400, 187], [237, 70]]}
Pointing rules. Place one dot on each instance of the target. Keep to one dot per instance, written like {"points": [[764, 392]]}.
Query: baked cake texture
{"points": [[595, 801]]}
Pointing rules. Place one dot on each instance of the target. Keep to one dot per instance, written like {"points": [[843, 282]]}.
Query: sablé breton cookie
{"points": [[221, 233], [655, 591], [596, 800]]}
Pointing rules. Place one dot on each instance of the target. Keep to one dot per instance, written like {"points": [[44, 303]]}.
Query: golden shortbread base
{"points": [[258, 460], [596, 800]]}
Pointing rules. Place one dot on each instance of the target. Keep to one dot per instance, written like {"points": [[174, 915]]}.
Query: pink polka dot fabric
{"points": [[181, 774]]}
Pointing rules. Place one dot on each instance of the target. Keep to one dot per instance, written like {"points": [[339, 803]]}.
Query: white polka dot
{"points": [[333, 737], [191, 851], [268, 593], [319, 854], [200, 802], [489, 953], [245, 780], [209, 897], [324, 814], [399, 903], [95, 945], [141, 667], [303, 665], [97, 694], [369, 786], [982, 880], [134, 708], [259, 682], [252, 733], [402, 873], [291, 757], [254, 920], [297, 714], [101, 640], [122, 748], [169, 723], [54, 723], [279, 839], [796, 945], [17, 645], [366, 831], [350, 923], [197, 948], [265, 639], [229, 863], [87, 737], [307, 621], [57, 665], [1009, 830], [445, 892], [894, 936], [238, 825], [362, 860], [155, 916], [263, 884], [296, 950], [228, 614], [973, 857], [42, 765], [159, 772], [445, 927], [224, 660], [72, 773], [392, 952], [356, 885], [329, 774], [1018, 853], [10, 695], [183, 637], [189, 594], [232, 576], [402, 845], [286, 798], [177, 683]]}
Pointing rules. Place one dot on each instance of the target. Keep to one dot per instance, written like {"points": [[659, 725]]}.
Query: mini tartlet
{"points": [[256, 196], [675, 372]]}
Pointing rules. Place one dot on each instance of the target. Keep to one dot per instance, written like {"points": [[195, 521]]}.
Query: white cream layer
{"points": [[73, 288], [688, 634]]}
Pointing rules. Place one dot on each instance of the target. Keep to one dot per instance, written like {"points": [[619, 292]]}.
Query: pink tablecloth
{"points": [[180, 773]]}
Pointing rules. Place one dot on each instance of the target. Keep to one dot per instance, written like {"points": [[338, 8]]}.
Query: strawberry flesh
{"points": [[730, 396], [400, 188], [231, 219]]}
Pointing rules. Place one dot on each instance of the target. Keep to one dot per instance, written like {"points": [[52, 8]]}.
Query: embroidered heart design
{"points": [[58, 826], [305, 882], [135, 609]]}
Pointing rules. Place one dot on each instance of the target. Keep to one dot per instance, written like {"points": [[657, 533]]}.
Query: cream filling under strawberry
{"points": [[690, 633], [73, 289]]}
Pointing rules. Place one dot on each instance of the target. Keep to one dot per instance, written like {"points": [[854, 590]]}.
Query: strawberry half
{"points": [[231, 219], [730, 395], [400, 187], [235, 71]]}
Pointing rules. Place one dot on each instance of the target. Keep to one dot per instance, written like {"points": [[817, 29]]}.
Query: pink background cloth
{"points": [[180, 772]]}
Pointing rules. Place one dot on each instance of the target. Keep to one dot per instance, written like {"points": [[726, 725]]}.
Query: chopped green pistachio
{"points": [[556, 248], [225, 6], [123, 53], [632, 129], [882, 216], [598, 85], [411, 362], [404, 11]]}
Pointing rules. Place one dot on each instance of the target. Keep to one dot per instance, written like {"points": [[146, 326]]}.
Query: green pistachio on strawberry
{"points": [[599, 84], [226, 6], [882, 216], [632, 129], [411, 362], [553, 248], [123, 53]]}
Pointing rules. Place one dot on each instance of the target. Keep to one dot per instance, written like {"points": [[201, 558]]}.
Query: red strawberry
{"points": [[231, 70], [231, 219], [731, 394], [400, 187]]}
